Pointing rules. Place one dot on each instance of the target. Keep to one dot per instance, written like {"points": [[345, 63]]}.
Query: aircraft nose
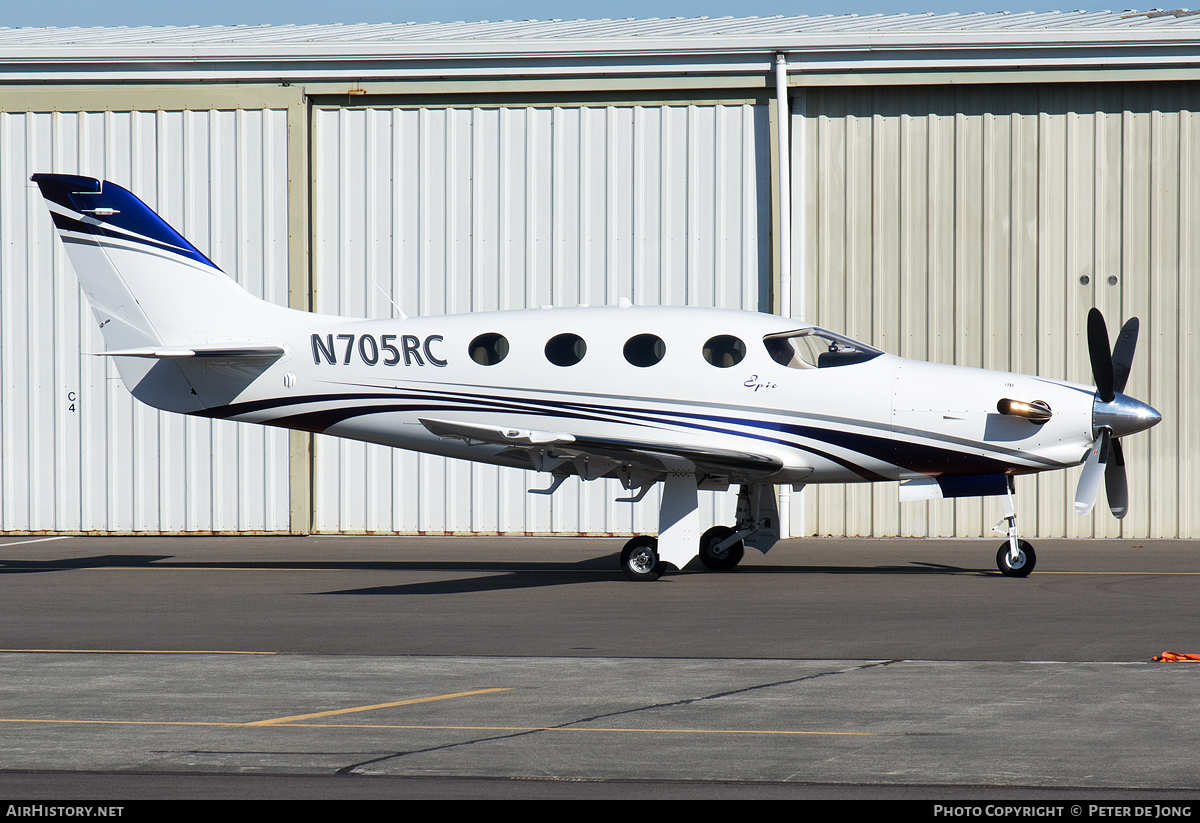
{"points": [[1123, 415]]}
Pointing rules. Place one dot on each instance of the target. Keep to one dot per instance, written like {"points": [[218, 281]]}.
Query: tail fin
{"points": [[152, 292]]}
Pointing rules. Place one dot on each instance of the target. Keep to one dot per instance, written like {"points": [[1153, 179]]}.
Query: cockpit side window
{"points": [[815, 348]]}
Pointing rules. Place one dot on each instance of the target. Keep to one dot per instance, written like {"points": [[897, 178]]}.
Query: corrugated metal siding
{"points": [[604, 31], [475, 209], [111, 463], [955, 225]]}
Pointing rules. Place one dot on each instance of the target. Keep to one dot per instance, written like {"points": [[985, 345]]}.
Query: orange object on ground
{"points": [[1170, 657]]}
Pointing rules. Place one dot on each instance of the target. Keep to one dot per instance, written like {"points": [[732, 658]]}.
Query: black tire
{"points": [[1024, 564], [639, 559], [720, 561]]}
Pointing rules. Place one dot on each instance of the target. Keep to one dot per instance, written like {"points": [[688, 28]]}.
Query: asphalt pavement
{"points": [[529, 667]]}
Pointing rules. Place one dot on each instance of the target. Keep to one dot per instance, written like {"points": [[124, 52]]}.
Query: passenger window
{"points": [[724, 351], [644, 350], [565, 349], [815, 348], [488, 349]]}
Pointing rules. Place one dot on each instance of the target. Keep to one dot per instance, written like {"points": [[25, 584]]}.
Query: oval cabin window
{"points": [[565, 349], [488, 349], [645, 350], [724, 351]]}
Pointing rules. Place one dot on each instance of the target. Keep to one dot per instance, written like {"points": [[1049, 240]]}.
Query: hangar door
{"points": [[77, 452], [447, 209], [977, 225]]}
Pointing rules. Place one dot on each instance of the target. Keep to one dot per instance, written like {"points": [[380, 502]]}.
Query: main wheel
{"points": [[639, 559], [1024, 563], [725, 559]]}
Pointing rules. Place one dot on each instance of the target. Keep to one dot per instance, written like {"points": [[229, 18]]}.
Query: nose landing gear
{"points": [[1015, 557]]}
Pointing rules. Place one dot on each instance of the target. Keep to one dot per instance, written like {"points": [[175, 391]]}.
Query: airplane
{"points": [[692, 398]]}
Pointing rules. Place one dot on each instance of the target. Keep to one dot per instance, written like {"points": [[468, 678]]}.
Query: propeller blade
{"points": [[1093, 470], [1115, 482], [1122, 355], [1102, 361]]}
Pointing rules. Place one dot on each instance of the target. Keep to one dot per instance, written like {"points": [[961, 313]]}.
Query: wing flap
{"points": [[495, 434], [663, 456]]}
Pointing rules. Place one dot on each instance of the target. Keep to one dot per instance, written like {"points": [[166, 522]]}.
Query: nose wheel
{"points": [[639, 559], [1021, 565], [1016, 557]]}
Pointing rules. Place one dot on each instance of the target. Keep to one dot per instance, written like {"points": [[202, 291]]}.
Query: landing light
{"points": [[1037, 411]]}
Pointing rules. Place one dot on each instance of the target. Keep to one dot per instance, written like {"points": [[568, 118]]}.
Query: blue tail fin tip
{"points": [[104, 209]]}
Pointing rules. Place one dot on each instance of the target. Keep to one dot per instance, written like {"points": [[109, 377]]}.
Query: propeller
{"points": [[1113, 415]]}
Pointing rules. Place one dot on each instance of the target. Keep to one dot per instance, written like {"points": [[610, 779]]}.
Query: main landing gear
{"points": [[1016, 557], [639, 559], [717, 552], [720, 548]]}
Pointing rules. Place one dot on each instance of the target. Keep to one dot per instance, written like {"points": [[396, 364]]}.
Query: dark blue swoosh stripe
{"points": [[912, 456], [321, 420]]}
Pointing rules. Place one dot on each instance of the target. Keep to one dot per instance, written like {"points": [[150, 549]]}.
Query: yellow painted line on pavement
{"points": [[189, 569], [125, 651], [118, 722], [584, 729], [291, 720], [604, 571], [444, 728], [1131, 574]]}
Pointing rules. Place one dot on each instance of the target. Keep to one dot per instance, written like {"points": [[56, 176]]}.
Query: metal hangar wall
{"points": [[477, 207], [963, 191], [977, 225]]}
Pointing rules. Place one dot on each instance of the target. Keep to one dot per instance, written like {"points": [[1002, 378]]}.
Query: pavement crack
{"points": [[349, 770], [744, 690]]}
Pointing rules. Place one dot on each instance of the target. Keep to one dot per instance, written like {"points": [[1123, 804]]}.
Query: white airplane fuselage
{"points": [[889, 418]]}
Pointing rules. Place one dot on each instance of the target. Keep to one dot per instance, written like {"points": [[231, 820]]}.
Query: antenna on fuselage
{"points": [[403, 316]]}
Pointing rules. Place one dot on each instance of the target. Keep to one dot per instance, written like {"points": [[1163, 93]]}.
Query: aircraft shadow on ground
{"points": [[142, 561], [497, 575], [104, 561], [543, 575]]}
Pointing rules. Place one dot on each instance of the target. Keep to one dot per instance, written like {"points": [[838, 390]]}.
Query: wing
{"points": [[556, 451]]}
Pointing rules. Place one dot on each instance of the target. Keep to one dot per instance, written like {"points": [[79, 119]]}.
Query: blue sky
{"points": [[15, 13]]}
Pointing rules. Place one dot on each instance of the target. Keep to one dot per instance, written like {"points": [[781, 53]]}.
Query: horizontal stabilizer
{"points": [[218, 352]]}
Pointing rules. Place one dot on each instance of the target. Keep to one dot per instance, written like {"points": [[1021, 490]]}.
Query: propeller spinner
{"points": [[1113, 416]]}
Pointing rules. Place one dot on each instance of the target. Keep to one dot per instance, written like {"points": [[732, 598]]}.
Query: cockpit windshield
{"points": [[815, 348]]}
